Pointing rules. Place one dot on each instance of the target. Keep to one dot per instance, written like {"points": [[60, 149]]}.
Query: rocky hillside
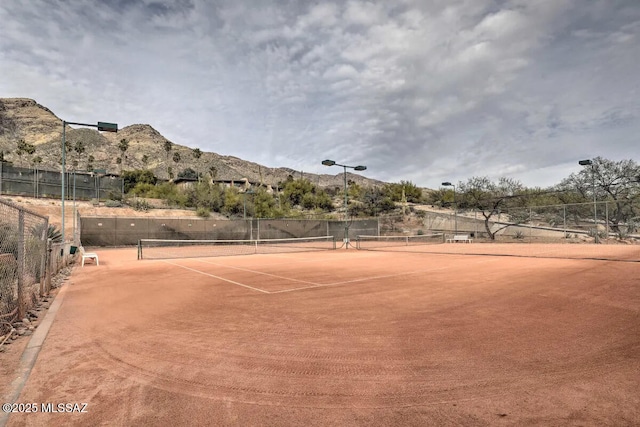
{"points": [[25, 119]]}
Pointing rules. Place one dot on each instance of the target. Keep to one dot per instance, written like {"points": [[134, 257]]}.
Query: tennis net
{"points": [[430, 244], [167, 249], [384, 242]]}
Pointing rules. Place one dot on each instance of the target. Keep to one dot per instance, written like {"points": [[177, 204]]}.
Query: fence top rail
{"points": [[18, 207]]}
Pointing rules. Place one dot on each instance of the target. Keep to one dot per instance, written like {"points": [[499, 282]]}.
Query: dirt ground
{"points": [[343, 338]]}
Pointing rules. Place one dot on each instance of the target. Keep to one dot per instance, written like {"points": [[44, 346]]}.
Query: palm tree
{"points": [[197, 154], [123, 146], [79, 148], [176, 158], [90, 161], [168, 145]]}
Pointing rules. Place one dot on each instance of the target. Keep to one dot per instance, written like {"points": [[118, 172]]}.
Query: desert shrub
{"points": [[141, 205], [113, 203], [203, 212]]}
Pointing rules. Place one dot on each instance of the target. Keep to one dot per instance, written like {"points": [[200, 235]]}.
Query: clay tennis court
{"points": [[344, 337]]}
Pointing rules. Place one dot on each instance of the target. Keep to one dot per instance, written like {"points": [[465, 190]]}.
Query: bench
{"points": [[88, 255], [460, 238]]}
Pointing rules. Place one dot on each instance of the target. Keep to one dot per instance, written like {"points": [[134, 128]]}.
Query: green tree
{"points": [[205, 195], [233, 202], [24, 148], [264, 204], [138, 176], [411, 192], [295, 189], [188, 173]]}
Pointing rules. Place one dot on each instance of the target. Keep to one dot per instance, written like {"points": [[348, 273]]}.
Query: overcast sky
{"points": [[419, 90]]}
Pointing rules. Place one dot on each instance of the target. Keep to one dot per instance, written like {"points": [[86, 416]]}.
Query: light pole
{"points": [[102, 126], [346, 200], [595, 205], [455, 205], [244, 208]]}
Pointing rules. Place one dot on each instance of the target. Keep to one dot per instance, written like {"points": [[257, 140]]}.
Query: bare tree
{"points": [[613, 182], [490, 198]]}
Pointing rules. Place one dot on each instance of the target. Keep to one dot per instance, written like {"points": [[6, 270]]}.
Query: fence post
{"points": [[530, 225], [48, 267], [606, 226], [21, 302], [43, 258]]}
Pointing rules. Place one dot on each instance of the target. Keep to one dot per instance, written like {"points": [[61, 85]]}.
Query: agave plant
{"points": [[53, 233]]}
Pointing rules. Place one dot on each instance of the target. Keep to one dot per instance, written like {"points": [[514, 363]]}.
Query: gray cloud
{"points": [[424, 91]]}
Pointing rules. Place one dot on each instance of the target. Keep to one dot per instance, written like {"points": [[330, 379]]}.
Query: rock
{"points": [[25, 320], [27, 333], [21, 332]]}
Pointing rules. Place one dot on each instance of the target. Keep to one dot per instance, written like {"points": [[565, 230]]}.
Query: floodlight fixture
{"points": [[346, 201], [589, 162], [455, 205], [103, 127]]}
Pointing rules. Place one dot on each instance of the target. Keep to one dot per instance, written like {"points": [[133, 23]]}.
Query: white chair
{"points": [[88, 255]]}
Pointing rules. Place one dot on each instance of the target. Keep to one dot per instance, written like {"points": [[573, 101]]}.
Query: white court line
{"points": [[384, 276], [315, 286], [218, 277], [261, 273]]}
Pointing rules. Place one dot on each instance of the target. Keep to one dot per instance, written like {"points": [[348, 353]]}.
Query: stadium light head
{"points": [[328, 162], [360, 168], [585, 162], [107, 127], [447, 184]]}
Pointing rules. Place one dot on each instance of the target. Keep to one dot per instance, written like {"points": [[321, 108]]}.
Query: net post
{"points": [[139, 249]]}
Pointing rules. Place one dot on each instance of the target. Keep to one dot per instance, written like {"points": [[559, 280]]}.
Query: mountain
{"points": [[22, 118]]}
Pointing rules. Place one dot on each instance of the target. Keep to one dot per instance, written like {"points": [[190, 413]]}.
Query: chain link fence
{"points": [[604, 222], [123, 231], [23, 250], [35, 182]]}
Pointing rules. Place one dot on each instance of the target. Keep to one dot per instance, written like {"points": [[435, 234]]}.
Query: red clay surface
{"points": [[344, 338]]}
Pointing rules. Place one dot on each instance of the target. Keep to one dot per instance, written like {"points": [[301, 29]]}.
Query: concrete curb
{"points": [[30, 354]]}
